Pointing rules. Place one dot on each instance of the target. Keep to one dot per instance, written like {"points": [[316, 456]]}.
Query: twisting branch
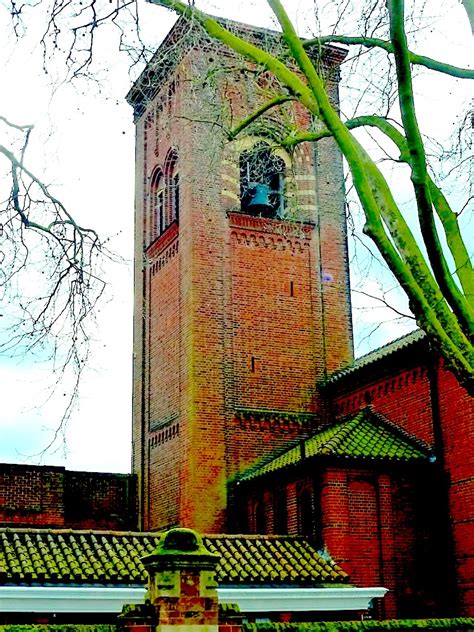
{"points": [[72, 27], [447, 216], [384, 302], [469, 8], [385, 223], [374, 42], [419, 171], [244, 123]]}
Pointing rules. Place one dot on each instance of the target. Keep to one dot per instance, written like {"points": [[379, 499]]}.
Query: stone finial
{"points": [[180, 548]]}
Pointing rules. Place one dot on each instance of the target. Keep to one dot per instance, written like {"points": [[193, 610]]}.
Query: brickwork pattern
{"points": [[233, 317], [415, 392], [55, 497], [385, 389], [456, 410]]}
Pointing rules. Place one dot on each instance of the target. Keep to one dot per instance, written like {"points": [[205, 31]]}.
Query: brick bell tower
{"points": [[241, 278]]}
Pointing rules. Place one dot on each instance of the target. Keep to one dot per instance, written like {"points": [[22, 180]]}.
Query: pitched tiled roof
{"points": [[365, 434], [382, 352], [32, 556]]}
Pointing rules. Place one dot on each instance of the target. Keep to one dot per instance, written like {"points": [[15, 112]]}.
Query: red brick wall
{"points": [[384, 528], [456, 410], [364, 536], [163, 460], [164, 335], [273, 331], [388, 530], [334, 266], [385, 389], [223, 299], [54, 497], [31, 495], [441, 413], [163, 382], [95, 500]]}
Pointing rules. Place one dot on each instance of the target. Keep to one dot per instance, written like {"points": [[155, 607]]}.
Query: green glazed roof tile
{"points": [[365, 434], [33, 556]]}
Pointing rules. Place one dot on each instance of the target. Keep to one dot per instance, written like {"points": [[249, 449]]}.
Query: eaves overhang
{"points": [[111, 599], [179, 41]]}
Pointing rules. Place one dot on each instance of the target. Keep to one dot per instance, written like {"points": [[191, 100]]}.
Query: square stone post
{"points": [[181, 583]]}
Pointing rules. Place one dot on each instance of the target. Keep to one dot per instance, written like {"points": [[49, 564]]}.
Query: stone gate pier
{"points": [[182, 590]]}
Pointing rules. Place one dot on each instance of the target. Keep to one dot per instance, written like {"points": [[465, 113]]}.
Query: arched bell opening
{"points": [[262, 182]]}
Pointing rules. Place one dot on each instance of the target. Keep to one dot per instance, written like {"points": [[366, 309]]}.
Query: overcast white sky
{"points": [[85, 147]]}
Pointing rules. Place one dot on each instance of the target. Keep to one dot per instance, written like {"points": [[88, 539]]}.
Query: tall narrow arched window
{"points": [[259, 517], [280, 525], [305, 511], [262, 181], [158, 204], [175, 196], [172, 185]]}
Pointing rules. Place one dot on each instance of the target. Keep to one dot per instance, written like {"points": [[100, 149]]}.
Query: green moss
{"points": [[45, 627], [454, 625], [362, 435]]}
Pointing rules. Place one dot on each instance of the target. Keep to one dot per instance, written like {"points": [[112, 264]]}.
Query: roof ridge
{"points": [[334, 441], [344, 442], [398, 430], [402, 342], [244, 559], [68, 530]]}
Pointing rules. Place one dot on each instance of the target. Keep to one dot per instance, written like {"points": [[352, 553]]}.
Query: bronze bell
{"points": [[259, 198]]}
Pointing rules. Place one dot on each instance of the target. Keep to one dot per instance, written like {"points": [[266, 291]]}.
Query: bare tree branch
{"points": [[373, 42]]}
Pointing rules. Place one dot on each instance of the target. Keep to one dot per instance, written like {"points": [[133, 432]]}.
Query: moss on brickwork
{"points": [[357, 626]]}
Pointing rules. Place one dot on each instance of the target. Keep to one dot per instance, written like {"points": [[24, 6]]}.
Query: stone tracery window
{"points": [[262, 181]]}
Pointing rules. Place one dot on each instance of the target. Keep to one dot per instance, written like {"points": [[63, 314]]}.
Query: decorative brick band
{"points": [[165, 257], [164, 434], [370, 394], [274, 242], [275, 226], [279, 418]]}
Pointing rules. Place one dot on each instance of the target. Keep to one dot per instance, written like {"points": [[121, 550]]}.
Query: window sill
{"points": [[164, 240]]}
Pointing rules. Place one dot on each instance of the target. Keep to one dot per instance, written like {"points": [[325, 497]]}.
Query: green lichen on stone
{"points": [[455, 625], [180, 547]]}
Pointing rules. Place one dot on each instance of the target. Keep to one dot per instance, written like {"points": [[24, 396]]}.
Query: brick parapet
{"points": [[55, 497]]}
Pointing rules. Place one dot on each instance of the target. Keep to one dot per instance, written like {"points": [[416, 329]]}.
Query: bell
{"points": [[258, 195]]}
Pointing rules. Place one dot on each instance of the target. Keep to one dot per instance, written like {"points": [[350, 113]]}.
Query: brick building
{"points": [[243, 347], [250, 415], [221, 292]]}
